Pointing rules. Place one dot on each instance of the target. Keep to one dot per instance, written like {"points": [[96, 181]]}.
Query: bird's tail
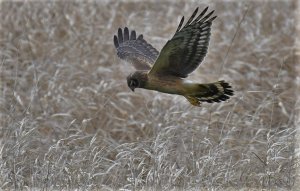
{"points": [[212, 92]]}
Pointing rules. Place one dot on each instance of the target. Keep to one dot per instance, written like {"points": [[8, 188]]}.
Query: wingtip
{"points": [[180, 24], [213, 18], [116, 41], [196, 10], [140, 37], [133, 35], [207, 17], [126, 34], [192, 17], [120, 35]]}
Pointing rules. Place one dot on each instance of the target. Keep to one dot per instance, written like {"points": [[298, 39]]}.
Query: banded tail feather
{"points": [[212, 92]]}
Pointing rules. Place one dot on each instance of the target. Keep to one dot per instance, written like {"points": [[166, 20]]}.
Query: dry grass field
{"points": [[69, 121]]}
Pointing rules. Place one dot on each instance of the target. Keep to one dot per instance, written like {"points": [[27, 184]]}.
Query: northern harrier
{"points": [[165, 71]]}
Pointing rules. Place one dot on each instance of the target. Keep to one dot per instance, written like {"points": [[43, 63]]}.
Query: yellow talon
{"points": [[193, 100]]}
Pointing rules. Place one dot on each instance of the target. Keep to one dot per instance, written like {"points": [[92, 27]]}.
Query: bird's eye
{"points": [[134, 83]]}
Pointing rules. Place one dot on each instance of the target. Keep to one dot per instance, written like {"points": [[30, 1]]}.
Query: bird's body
{"points": [[167, 84], [167, 71]]}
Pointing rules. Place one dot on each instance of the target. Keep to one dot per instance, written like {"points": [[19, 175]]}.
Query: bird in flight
{"points": [[166, 71]]}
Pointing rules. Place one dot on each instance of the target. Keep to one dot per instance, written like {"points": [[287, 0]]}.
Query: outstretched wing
{"points": [[135, 50], [185, 51]]}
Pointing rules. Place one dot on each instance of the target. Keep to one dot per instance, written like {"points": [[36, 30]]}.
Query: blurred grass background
{"points": [[69, 121]]}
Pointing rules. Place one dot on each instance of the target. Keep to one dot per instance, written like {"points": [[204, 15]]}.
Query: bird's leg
{"points": [[193, 100]]}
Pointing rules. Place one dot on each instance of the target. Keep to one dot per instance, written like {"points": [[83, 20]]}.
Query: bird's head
{"points": [[137, 79]]}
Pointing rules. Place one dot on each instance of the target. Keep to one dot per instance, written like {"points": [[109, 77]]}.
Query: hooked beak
{"points": [[132, 89]]}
